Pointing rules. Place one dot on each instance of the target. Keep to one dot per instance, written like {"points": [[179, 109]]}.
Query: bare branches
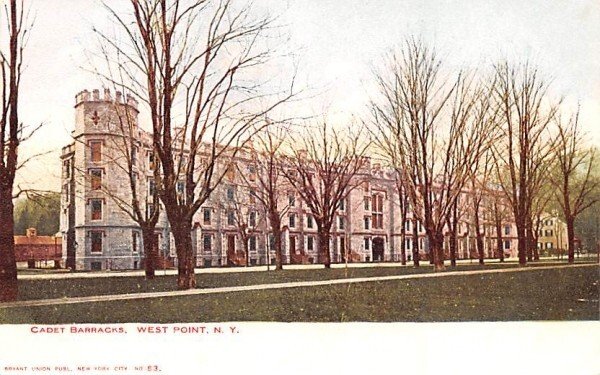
{"points": [[573, 179], [522, 152], [323, 171], [197, 66], [432, 130]]}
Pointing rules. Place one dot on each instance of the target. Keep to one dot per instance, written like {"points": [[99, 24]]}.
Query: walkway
{"points": [[128, 273], [117, 297]]}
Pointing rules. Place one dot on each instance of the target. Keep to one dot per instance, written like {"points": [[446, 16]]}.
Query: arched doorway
{"points": [[377, 249]]}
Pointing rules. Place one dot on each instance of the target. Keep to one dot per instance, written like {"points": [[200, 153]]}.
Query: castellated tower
{"points": [[106, 138]]}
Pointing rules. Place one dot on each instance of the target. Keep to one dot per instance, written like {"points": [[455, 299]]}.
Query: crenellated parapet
{"points": [[95, 96]]}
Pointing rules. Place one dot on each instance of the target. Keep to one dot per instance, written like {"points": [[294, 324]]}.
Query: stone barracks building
{"points": [[98, 234]]}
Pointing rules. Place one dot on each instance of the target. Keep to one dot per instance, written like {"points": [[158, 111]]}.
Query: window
{"points": [[135, 241], [367, 222], [293, 245], [420, 226], [507, 229], [506, 245], [309, 221], [230, 173], [292, 200], [207, 243], [230, 218], [252, 219], [252, 243], [67, 168], [407, 244], [96, 266], [377, 209], [367, 243], [206, 216], [134, 153], [181, 191], [407, 225], [310, 243], [271, 241], [292, 220], [252, 196], [151, 162], [151, 187], [341, 223], [96, 240], [150, 209], [251, 173], [230, 193], [96, 206], [367, 203], [548, 245], [96, 179], [67, 192], [96, 148], [341, 205]]}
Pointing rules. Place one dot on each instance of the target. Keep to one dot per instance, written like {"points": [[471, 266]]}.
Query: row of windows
{"points": [[96, 154], [97, 238]]}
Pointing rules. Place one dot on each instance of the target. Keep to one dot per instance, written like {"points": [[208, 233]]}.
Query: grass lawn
{"points": [[553, 294], [80, 287]]}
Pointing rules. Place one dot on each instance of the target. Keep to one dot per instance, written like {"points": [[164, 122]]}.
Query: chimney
{"points": [[31, 232], [96, 95], [107, 94], [119, 97], [131, 101]]}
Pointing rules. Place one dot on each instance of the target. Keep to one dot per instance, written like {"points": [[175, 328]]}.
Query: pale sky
{"points": [[337, 43]]}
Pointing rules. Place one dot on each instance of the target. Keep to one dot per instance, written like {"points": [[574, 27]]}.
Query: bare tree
{"points": [[12, 133], [479, 191], [523, 148], [573, 179], [428, 125], [195, 65], [323, 172], [267, 182], [125, 152]]}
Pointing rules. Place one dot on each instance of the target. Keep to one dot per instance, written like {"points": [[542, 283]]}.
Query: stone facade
{"points": [[98, 234]]}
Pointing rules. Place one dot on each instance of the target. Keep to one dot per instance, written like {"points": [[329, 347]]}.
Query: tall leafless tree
{"points": [[428, 124], [195, 64], [12, 133], [526, 111], [573, 178], [125, 152], [322, 169], [268, 184]]}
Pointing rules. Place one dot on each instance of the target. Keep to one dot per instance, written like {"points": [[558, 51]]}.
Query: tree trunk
{"points": [[436, 250], [530, 239], [324, 248], [149, 250], [276, 229], [415, 247], [571, 238], [186, 258], [522, 241], [499, 246], [245, 241], [536, 252], [452, 246], [403, 248], [480, 246], [8, 265]]}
